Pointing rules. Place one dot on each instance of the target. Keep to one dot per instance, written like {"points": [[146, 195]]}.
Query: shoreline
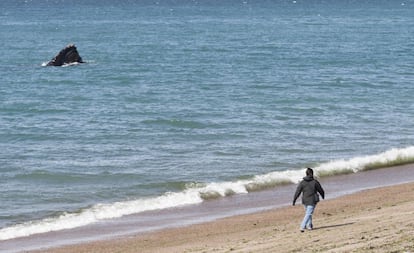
{"points": [[146, 224], [355, 219], [376, 220]]}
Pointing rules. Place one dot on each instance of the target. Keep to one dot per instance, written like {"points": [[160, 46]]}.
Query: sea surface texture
{"points": [[180, 102]]}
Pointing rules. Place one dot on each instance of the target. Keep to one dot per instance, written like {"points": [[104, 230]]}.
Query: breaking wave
{"points": [[195, 193]]}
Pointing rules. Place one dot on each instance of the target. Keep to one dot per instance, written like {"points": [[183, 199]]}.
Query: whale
{"points": [[67, 55]]}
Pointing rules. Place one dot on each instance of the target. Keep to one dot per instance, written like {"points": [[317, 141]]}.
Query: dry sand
{"points": [[376, 220]]}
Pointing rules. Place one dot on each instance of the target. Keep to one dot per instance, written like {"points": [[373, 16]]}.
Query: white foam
{"points": [[360, 163], [100, 212]]}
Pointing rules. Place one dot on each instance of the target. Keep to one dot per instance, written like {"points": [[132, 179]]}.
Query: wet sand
{"points": [[373, 220]]}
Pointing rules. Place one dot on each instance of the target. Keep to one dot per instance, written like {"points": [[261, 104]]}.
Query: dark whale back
{"points": [[66, 56]]}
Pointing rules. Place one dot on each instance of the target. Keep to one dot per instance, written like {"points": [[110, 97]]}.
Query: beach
{"points": [[373, 220]]}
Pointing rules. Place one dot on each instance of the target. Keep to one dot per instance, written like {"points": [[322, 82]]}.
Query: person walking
{"points": [[309, 187]]}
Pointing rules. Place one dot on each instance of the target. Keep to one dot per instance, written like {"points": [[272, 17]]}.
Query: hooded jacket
{"points": [[309, 187]]}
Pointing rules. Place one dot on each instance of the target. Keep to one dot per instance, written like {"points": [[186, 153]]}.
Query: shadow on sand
{"points": [[334, 226]]}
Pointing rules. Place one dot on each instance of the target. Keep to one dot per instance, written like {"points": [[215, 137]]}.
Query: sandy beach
{"points": [[375, 220]]}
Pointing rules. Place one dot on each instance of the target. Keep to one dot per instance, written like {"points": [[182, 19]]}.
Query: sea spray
{"points": [[198, 192]]}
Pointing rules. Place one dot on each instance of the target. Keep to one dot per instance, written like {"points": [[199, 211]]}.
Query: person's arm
{"points": [[297, 193], [320, 189]]}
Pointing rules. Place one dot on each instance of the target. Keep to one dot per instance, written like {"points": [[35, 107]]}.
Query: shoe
{"points": [[302, 230]]}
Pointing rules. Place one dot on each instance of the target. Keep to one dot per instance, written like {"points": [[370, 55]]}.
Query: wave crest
{"points": [[386, 159]]}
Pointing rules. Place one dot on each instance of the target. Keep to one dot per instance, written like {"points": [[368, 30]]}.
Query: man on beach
{"points": [[310, 188]]}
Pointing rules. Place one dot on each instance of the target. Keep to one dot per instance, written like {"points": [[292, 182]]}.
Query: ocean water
{"points": [[180, 102]]}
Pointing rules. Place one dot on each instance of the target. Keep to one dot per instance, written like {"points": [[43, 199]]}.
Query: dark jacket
{"points": [[309, 187]]}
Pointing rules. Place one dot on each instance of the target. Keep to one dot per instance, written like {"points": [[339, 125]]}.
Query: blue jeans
{"points": [[307, 220]]}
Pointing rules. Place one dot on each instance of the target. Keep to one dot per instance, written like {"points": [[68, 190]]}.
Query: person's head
{"points": [[309, 172]]}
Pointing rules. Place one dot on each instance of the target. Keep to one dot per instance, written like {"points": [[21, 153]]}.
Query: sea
{"points": [[182, 102]]}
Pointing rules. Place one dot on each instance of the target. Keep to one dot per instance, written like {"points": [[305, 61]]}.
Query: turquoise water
{"points": [[182, 101]]}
